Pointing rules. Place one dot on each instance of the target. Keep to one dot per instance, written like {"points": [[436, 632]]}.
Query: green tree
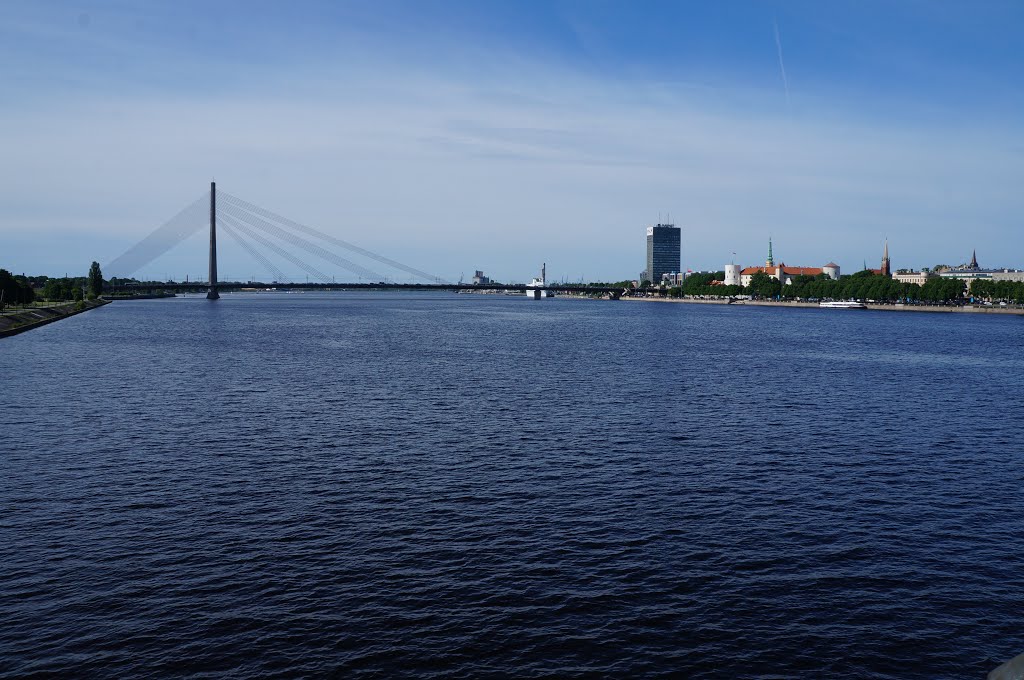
{"points": [[95, 280], [802, 286], [63, 289], [765, 286], [983, 289], [942, 290], [53, 290], [694, 284], [22, 290], [10, 291]]}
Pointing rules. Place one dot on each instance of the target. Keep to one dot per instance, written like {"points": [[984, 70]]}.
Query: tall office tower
{"points": [[662, 251]]}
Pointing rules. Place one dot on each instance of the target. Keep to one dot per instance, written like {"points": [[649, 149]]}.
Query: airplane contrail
{"points": [[782, 64]]}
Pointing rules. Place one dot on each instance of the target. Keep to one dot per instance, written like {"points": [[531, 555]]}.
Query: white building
{"points": [[970, 273], [1008, 275], [913, 277], [969, 276]]}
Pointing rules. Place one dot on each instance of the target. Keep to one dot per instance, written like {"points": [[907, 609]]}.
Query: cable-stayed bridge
{"points": [[268, 238]]}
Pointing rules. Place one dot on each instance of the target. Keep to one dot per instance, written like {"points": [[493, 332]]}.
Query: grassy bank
{"points": [[12, 323]]}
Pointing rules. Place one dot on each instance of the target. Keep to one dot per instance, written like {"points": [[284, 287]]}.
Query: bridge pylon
{"points": [[213, 294]]}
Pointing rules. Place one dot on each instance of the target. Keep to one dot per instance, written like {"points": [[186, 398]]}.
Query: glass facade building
{"points": [[662, 251]]}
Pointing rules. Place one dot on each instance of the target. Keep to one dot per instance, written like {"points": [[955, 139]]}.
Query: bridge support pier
{"points": [[213, 294]]}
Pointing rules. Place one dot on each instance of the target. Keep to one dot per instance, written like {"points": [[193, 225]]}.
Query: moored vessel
{"points": [[843, 304]]}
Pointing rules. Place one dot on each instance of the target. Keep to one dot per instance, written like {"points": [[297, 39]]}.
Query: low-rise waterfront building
{"points": [[919, 278], [1008, 275], [672, 278], [971, 272]]}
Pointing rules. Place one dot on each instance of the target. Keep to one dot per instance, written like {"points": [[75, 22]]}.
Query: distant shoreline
{"points": [[967, 309]]}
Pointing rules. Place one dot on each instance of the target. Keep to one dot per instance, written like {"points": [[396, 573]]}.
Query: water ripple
{"points": [[472, 486]]}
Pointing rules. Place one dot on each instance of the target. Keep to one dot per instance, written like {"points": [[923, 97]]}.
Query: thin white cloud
{"points": [[452, 172], [782, 63]]}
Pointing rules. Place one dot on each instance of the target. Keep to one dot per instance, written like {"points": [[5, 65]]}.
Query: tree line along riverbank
{"points": [[29, 302], [864, 285], [18, 290], [885, 307]]}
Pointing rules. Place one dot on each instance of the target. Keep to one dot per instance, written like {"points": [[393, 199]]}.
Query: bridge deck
{"points": [[256, 285]]}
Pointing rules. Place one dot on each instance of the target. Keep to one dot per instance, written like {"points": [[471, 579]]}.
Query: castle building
{"points": [[732, 275], [782, 272]]}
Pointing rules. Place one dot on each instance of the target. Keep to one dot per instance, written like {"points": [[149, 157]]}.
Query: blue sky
{"points": [[456, 136]]}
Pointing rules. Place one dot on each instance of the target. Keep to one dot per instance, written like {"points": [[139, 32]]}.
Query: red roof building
{"points": [[786, 274]]}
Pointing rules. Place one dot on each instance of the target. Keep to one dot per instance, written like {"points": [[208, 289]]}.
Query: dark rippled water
{"points": [[439, 486]]}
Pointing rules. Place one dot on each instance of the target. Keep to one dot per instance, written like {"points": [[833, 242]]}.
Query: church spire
{"points": [[769, 262], [974, 260], [884, 271]]}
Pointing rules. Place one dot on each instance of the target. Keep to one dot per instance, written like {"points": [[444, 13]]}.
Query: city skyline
{"points": [[458, 137]]}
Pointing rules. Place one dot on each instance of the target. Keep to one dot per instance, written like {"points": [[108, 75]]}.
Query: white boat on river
{"points": [[843, 304]]}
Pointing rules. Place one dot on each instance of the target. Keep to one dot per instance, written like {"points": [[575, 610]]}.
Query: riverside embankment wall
{"points": [[19, 322]]}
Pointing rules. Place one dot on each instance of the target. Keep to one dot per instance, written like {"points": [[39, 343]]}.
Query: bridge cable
{"points": [[276, 248], [240, 203], [180, 227], [300, 242], [276, 273]]}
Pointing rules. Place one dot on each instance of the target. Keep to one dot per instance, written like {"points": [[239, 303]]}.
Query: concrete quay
{"points": [[25, 320]]}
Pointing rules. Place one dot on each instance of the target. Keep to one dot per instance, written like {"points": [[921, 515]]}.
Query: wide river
{"points": [[464, 485]]}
